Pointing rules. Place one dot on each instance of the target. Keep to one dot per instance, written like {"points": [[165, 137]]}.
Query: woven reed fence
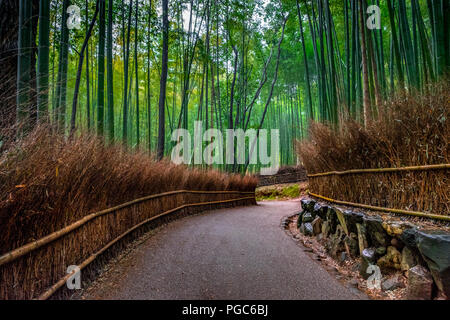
{"points": [[290, 177], [38, 269], [419, 189]]}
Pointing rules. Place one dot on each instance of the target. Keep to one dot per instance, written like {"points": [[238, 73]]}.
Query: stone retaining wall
{"points": [[296, 174], [391, 244]]}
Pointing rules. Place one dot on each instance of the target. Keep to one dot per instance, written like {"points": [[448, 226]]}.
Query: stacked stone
{"points": [[423, 256]]}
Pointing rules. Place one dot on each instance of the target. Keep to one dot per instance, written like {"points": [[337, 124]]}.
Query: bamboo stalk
{"points": [[375, 208], [23, 250], [382, 170]]}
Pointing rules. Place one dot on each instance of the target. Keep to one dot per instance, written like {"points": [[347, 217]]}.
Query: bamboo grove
{"points": [[135, 70]]}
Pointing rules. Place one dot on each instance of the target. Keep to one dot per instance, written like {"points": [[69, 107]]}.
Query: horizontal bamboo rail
{"points": [[383, 170], [47, 294], [23, 250], [382, 209]]}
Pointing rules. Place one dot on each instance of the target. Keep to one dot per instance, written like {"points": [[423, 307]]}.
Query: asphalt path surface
{"points": [[238, 253]]}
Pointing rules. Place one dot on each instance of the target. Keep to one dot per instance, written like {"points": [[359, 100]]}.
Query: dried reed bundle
{"points": [[413, 130]]}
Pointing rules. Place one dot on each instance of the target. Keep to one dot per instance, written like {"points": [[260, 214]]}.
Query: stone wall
{"points": [[285, 175], [391, 244]]}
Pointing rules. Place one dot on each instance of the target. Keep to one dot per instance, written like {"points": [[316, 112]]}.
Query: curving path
{"points": [[239, 253]]}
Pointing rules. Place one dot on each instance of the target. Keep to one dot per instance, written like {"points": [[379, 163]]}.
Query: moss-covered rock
{"points": [[307, 217], [408, 259], [392, 260], [308, 204], [420, 284], [376, 234], [332, 219], [435, 249], [362, 237], [352, 218], [320, 210]]}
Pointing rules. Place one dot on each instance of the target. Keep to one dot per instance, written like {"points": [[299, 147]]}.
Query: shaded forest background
{"points": [[136, 70]]}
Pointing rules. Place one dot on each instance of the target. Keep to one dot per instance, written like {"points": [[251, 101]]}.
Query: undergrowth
{"points": [[412, 129]]}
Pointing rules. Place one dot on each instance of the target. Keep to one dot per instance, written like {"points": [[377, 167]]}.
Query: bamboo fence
{"points": [[419, 190], [38, 269]]}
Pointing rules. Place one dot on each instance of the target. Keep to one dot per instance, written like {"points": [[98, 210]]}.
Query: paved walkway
{"points": [[239, 253]]}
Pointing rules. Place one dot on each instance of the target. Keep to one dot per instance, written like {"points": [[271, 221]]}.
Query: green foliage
{"points": [[222, 58], [278, 192]]}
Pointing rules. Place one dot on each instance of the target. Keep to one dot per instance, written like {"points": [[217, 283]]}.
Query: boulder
{"points": [[397, 244], [376, 234], [335, 243], [396, 228], [308, 204], [362, 237], [420, 284], [299, 220], [392, 283], [307, 217], [368, 257], [332, 219], [408, 259], [341, 218], [408, 237], [352, 244], [392, 260], [320, 210], [380, 238], [434, 247], [352, 218], [381, 251], [326, 229], [306, 229], [317, 225]]}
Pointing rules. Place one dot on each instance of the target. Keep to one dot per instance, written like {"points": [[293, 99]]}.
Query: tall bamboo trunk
{"points": [[163, 80], [136, 72], [61, 89], [126, 54], [366, 94], [305, 59], [43, 58], [101, 70], [109, 67]]}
